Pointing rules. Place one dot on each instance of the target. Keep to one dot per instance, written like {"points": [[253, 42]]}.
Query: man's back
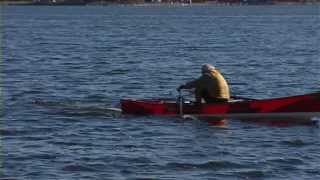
{"points": [[212, 85]]}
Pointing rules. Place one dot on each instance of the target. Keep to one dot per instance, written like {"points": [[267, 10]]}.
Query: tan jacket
{"points": [[210, 86]]}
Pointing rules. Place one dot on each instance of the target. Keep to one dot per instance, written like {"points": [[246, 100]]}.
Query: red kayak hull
{"points": [[292, 106]]}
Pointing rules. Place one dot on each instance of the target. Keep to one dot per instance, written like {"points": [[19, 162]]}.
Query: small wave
{"points": [[43, 156], [45, 103], [2, 112], [207, 165], [74, 143], [134, 160], [34, 138], [104, 113], [251, 174], [8, 178], [126, 171], [12, 132], [99, 98], [286, 161], [78, 168], [119, 71], [295, 143], [144, 178]]}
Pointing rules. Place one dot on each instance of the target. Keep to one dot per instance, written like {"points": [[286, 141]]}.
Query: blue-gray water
{"points": [[62, 66]]}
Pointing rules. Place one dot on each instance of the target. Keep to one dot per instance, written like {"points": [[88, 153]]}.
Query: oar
{"points": [[180, 101]]}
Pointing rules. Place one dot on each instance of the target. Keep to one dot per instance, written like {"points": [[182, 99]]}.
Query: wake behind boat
{"points": [[300, 108]]}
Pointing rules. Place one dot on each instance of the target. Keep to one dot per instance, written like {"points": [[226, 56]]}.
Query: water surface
{"points": [[63, 66]]}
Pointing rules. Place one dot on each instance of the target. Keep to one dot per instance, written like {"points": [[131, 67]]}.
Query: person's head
{"points": [[207, 68]]}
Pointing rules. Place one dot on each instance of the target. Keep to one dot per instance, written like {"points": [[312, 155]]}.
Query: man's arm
{"points": [[188, 85]]}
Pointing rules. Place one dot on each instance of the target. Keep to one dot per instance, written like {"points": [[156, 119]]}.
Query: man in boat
{"points": [[210, 86]]}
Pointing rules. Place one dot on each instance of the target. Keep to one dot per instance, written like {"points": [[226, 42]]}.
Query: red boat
{"points": [[297, 107]]}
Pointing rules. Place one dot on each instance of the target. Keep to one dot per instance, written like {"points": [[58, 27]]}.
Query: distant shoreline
{"points": [[143, 3]]}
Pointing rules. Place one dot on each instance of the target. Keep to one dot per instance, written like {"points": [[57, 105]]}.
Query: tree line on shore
{"points": [[85, 2]]}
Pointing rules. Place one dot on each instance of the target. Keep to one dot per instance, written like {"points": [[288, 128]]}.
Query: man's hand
{"points": [[180, 87]]}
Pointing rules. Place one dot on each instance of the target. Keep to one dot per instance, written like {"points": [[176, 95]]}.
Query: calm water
{"points": [[62, 66]]}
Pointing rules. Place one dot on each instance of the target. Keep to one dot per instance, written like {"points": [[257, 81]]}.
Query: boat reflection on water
{"points": [[265, 121], [272, 122], [221, 123], [212, 121], [283, 121]]}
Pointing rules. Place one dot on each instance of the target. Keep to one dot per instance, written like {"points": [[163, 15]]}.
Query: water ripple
{"points": [[13, 132], [212, 165], [252, 174], [79, 168], [296, 143], [286, 161]]}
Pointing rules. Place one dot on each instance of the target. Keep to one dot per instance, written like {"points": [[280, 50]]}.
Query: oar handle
{"points": [[180, 102]]}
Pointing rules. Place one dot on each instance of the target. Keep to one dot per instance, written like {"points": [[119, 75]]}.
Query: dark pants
{"points": [[215, 100], [209, 99]]}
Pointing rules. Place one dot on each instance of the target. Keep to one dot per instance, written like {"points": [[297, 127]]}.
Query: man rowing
{"points": [[210, 86]]}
